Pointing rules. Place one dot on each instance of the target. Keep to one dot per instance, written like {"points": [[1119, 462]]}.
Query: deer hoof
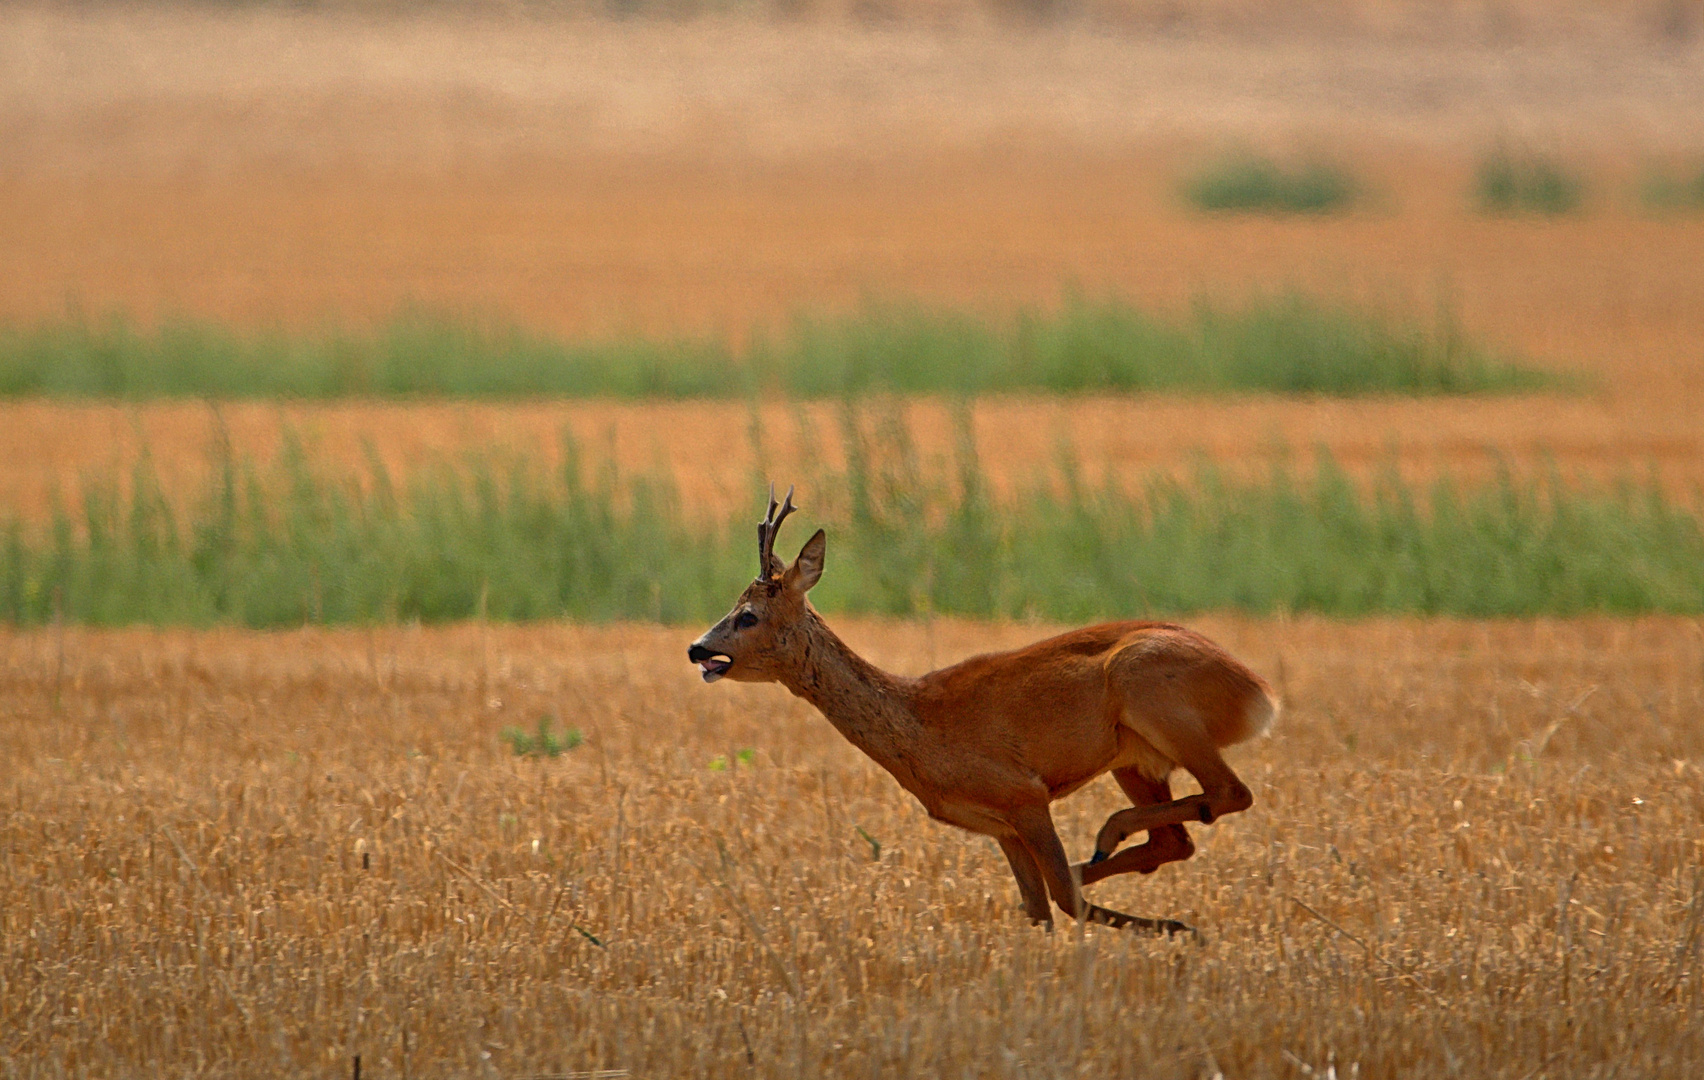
{"points": [[1099, 857]]}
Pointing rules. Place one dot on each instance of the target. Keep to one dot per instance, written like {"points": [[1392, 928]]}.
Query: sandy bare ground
{"points": [[1473, 846]]}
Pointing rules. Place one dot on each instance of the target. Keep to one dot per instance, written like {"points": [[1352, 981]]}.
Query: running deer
{"points": [[988, 743]]}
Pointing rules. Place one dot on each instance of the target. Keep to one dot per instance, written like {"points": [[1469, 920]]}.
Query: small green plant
{"points": [[746, 756], [875, 845], [1666, 192], [1249, 183], [544, 742], [1510, 182]]}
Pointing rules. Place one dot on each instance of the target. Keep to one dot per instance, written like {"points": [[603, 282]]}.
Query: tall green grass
{"points": [[1287, 344], [1250, 183], [499, 539]]}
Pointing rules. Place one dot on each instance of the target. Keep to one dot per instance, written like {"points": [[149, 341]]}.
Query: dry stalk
{"points": [[1371, 952]]}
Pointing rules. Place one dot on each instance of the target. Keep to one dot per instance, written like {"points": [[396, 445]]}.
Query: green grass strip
{"points": [[1287, 344], [293, 545]]}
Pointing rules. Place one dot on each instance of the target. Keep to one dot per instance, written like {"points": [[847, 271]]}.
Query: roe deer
{"points": [[988, 743]]}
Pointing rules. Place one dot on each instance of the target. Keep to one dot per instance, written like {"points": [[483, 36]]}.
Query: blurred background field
{"points": [[392, 313], [711, 179]]}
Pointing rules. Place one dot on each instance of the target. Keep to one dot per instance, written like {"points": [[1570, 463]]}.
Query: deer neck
{"points": [[863, 702]]}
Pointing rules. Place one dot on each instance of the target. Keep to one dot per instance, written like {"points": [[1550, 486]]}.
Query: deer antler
{"points": [[767, 564]]}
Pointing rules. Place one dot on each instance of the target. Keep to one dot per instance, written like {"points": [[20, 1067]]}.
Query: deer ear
{"points": [[807, 568]]}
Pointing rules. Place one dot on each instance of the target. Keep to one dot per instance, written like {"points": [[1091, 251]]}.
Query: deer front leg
{"points": [[1222, 792], [1166, 843], [1030, 882], [1034, 827]]}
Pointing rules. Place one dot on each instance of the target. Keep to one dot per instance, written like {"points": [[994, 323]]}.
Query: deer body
{"points": [[988, 743]]}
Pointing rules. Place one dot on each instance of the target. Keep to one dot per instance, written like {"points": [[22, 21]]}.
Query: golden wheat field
{"points": [[1476, 850]]}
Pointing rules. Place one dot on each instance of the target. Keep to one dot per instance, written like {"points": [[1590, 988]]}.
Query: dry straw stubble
{"points": [[1475, 848]]}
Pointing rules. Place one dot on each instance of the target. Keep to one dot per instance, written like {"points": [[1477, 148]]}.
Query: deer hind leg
{"points": [[1166, 843], [1035, 831]]}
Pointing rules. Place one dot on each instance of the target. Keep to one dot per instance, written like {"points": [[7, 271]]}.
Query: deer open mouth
{"points": [[715, 667]]}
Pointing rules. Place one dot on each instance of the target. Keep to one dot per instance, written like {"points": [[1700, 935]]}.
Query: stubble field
{"points": [[1474, 851], [1476, 846]]}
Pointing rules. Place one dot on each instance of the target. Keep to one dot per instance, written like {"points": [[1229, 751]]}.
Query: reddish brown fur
{"points": [[988, 743]]}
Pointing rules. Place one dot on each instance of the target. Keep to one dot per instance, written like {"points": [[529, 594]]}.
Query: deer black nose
{"points": [[697, 653]]}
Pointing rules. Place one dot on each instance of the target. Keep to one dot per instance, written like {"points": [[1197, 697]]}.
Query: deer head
{"points": [[754, 642]]}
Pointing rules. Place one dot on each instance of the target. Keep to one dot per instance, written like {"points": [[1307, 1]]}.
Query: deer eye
{"points": [[745, 620]]}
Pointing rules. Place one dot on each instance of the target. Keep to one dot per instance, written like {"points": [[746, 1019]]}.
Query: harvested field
{"points": [[1475, 847]]}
